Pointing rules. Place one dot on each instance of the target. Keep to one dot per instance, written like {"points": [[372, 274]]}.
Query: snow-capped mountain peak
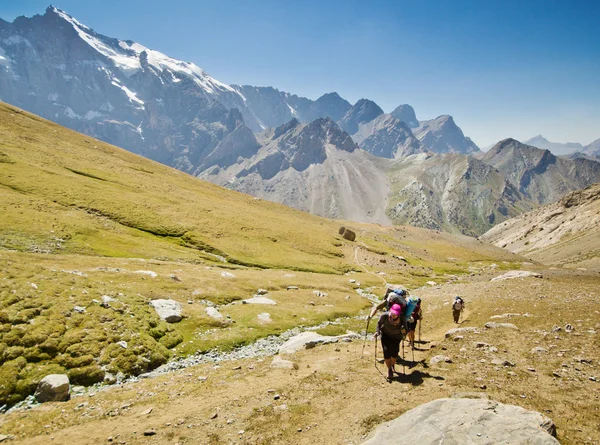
{"points": [[126, 56]]}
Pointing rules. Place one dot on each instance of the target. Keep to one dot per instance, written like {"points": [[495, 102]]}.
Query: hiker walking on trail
{"points": [[457, 308], [392, 296], [391, 332], [416, 315]]}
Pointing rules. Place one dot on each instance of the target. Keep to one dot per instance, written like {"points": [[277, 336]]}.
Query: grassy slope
{"points": [[81, 218]]}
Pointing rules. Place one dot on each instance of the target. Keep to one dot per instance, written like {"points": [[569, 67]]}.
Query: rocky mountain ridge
{"points": [[563, 233], [540, 176]]}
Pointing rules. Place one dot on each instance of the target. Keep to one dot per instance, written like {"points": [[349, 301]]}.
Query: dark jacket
{"points": [[387, 328]]}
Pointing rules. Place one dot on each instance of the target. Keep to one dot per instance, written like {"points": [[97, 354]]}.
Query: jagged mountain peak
{"points": [[442, 135], [406, 114], [362, 111]]}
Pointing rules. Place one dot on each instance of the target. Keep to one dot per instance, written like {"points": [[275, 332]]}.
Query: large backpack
{"points": [[458, 304]]}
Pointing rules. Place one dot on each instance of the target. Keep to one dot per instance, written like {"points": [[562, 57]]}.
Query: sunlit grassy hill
{"points": [[81, 220]]}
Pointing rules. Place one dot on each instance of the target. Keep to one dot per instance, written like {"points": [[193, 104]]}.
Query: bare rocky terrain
{"points": [[564, 233]]}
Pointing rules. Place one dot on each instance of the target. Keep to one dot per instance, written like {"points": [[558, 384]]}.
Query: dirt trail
{"points": [[257, 404]]}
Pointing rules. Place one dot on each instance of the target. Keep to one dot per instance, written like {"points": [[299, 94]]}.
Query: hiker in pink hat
{"points": [[391, 331]]}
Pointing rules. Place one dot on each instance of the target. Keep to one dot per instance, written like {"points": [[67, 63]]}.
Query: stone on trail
{"points": [[517, 274], [262, 292], [492, 325], [213, 313], [280, 363], [53, 388], [168, 310], [440, 359], [461, 421], [458, 331], [305, 340], [259, 300]]}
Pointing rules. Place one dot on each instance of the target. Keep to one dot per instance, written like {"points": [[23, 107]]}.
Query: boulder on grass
{"points": [[53, 388], [168, 310]]}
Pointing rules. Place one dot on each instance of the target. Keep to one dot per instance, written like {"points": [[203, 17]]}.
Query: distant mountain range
{"points": [[325, 156], [566, 149]]}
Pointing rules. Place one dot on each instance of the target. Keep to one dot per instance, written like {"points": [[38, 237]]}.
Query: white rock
{"points": [[227, 275], [517, 274], [122, 344], [305, 340], [265, 316], [458, 331], [279, 363], [147, 272], [259, 300], [262, 292], [439, 359], [168, 310], [213, 313], [462, 421], [493, 325]]}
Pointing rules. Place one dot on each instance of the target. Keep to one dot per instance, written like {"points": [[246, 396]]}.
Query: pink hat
{"points": [[396, 309]]}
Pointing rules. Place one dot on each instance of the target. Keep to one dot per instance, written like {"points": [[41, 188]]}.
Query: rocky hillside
{"points": [[314, 167], [451, 192], [564, 233], [593, 149], [387, 137], [537, 174]]}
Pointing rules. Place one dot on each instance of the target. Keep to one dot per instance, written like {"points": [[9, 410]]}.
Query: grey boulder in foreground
{"points": [[462, 421]]}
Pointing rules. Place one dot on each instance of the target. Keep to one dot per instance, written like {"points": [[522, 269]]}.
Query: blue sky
{"points": [[501, 68]]}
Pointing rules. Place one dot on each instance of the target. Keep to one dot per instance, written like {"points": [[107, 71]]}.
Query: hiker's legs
{"points": [[456, 315], [391, 347]]}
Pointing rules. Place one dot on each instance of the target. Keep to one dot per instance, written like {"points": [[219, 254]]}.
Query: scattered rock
{"points": [[280, 363], [149, 433], [79, 309], [347, 234], [34, 285], [501, 362], [122, 344], [457, 331], [147, 272], [262, 292], [432, 283], [292, 288], [264, 317], [168, 310], [457, 421], [569, 328], [517, 274], [305, 340], [494, 325], [175, 278], [439, 359], [214, 415], [227, 275], [259, 300], [213, 313], [538, 349], [481, 345], [53, 388], [493, 317], [146, 412]]}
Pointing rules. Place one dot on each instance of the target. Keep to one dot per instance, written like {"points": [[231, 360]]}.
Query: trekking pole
{"points": [[378, 370], [419, 331], [403, 362], [365, 341]]}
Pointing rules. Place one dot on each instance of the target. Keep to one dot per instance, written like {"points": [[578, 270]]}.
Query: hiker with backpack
{"points": [[392, 296], [414, 318], [391, 332], [457, 308]]}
